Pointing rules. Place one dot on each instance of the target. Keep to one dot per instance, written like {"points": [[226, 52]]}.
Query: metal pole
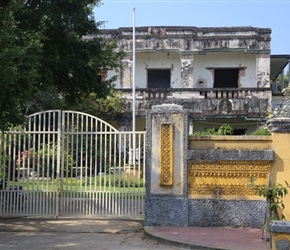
{"points": [[134, 94], [134, 65]]}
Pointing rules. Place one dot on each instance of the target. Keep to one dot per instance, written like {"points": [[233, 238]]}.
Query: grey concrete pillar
{"points": [[280, 232], [166, 201]]}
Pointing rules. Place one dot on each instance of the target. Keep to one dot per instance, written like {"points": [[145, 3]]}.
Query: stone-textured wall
{"points": [[220, 212]]}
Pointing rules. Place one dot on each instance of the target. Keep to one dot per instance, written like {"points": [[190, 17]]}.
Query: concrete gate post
{"points": [[166, 200]]}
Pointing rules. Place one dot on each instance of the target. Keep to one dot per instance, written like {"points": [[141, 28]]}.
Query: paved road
{"points": [[71, 233]]}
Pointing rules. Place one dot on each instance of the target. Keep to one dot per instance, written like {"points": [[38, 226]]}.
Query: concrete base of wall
{"points": [[232, 213], [169, 211], [166, 211]]}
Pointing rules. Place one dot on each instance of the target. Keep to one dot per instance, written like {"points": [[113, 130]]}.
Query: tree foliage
{"points": [[50, 48], [20, 54], [105, 108]]}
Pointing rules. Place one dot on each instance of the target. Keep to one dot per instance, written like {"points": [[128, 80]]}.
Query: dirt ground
{"points": [[71, 233]]}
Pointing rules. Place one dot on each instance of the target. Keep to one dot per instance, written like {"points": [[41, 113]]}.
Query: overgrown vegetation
{"points": [[263, 131], [47, 59], [274, 195], [225, 129]]}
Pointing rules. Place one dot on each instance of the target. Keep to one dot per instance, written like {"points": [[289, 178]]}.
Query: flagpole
{"points": [[134, 96], [134, 84]]}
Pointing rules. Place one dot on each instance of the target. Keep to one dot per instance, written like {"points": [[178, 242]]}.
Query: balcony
{"points": [[250, 103]]}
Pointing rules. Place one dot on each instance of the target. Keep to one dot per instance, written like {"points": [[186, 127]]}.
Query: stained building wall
{"points": [[202, 63], [190, 50]]}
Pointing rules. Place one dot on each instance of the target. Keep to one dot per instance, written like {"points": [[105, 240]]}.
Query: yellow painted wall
{"points": [[281, 165], [230, 142], [279, 142]]}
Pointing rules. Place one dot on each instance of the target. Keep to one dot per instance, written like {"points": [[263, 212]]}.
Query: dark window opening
{"points": [[239, 131], [235, 131], [226, 78], [159, 78]]}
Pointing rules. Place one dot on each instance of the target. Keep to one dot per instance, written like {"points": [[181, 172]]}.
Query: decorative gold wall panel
{"points": [[166, 177], [224, 179]]}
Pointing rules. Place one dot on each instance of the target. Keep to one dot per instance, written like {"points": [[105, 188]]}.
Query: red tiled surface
{"points": [[213, 237]]}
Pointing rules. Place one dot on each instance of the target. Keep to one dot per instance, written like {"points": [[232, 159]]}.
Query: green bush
{"points": [[274, 195], [264, 131], [225, 129]]}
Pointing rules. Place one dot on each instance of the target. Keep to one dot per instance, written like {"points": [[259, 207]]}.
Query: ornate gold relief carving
{"points": [[166, 178], [225, 178], [220, 190], [230, 169]]}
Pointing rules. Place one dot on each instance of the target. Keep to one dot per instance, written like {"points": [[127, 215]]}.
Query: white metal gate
{"points": [[71, 163]]}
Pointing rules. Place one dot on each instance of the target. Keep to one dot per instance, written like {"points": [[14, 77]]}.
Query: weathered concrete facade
{"points": [[205, 66]]}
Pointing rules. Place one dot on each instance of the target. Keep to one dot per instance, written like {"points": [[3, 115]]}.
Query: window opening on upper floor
{"points": [[102, 76], [239, 131], [226, 78], [158, 78]]}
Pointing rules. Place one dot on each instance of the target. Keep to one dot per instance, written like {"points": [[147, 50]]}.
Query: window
{"points": [[226, 78], [239, 131], [102, 76], [158, 78]]}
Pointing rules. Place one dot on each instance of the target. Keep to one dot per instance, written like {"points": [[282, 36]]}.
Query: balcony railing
{"points": [[204, 93]]}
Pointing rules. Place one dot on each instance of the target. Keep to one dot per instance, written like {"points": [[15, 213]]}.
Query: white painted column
{"points": [[288, 72], [282, 79]]}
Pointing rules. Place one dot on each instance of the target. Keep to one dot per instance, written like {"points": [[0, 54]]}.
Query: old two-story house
{"points": [[221, 75]]}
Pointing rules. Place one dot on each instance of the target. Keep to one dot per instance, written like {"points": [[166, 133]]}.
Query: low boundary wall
{"points": [[202, 181]]}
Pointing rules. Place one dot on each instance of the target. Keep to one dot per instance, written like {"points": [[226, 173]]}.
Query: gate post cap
{"points": [[279, 226], [279, 124]]}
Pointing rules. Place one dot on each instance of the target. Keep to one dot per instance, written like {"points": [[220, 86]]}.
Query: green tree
{"points": [[107, 108], [20, 54], [61, 54]]}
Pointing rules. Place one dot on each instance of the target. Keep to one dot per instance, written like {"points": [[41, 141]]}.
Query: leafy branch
{"points": [[273, 195]]}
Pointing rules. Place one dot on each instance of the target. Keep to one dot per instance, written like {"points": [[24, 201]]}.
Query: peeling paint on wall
{"points": [[186, 72], [263, 70]]}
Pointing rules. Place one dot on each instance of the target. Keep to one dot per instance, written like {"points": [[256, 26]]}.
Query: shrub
{"points": [[274, 195], [225, 129], [264, 131]]}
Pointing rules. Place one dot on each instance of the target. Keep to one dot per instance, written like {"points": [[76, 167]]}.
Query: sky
{"points": [[215, 13]]}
